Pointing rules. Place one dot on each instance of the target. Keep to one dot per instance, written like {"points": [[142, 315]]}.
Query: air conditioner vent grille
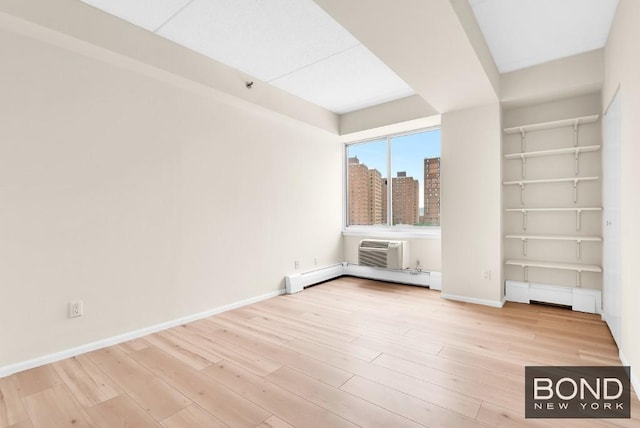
{"points": [[373, 259], [383, 254], [374, 244]]}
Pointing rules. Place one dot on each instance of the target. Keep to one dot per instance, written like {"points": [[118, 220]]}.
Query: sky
{"points": [[407, 154]]}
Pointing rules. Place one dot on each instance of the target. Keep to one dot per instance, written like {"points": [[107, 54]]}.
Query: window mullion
{"points": [[389, 185]]}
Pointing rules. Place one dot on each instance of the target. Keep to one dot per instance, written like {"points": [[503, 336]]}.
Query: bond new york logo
{"points": [[599, 392]]}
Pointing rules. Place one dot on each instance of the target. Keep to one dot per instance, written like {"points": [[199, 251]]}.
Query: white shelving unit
{"points": [[525, 213], [525, 291], [574, 180], [579, 268], [575, 151], [573, 122], [577, 239]]}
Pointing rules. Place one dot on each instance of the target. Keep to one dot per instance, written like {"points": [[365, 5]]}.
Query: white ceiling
{"points": [[291, 44], [523, 33], [297, 46]]}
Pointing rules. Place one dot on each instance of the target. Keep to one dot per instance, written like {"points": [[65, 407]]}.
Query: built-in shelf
{"points": [[578, 240], [578, 211], [573, 122], [574, 180], [554, 265], [563, 143], [551, 180], [553, 152], [556, 237], [578, 268], [575, 151], [554, 209]]}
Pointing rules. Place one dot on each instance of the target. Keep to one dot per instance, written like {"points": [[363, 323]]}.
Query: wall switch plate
{"points": [[75, 308], [296, 264]]}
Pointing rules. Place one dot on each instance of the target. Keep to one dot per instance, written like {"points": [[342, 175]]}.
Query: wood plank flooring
{"points": [[345, 353]]}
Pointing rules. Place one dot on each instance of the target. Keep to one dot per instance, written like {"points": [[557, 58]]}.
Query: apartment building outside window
{"points": [[394, 181]]}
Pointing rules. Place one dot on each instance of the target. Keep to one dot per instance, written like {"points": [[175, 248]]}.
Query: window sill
{"points": [[392, 232]]}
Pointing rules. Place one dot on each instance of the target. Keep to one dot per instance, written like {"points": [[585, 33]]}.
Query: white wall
{"points": [[471, 213], [562, 78], [622, 67], [391, 113], [77, 25], [147, 201]]}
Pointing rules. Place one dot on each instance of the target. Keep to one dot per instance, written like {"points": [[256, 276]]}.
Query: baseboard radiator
{"points": [[579, 299], [297, 282]]}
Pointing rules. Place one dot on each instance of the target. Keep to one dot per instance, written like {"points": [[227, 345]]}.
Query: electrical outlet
{"points": [[315, 260], [296, 264], [487, 274], [75, 308]]}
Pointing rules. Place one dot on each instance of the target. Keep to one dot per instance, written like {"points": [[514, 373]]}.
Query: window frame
{"points": [[387, 230]]}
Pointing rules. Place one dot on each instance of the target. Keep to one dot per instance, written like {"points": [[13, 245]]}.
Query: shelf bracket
{"points": [[522, 193], [575, 133], [578, 242], [524, 246], [524, 166], [525, 269], [524, 219], [576, 162], [575, 191], [578, 215], [523, 140], [578, 284]]}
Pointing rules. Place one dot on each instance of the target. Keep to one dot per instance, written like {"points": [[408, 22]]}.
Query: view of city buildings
{"points": [[405, 199], [431, 191], [367, 195]]}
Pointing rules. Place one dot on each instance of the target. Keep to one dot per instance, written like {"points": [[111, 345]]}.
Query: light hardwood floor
{"points": [[346, 353]]}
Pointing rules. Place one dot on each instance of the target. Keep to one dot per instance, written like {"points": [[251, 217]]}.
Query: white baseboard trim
{"points": [[406, 276], [579, 299], [485, 302], [635, 382], [114, 340], [296, 282], [435, 281]]}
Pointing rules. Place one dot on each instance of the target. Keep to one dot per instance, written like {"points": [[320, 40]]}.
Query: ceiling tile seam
{"points": [[313, 63], [176, 13]]}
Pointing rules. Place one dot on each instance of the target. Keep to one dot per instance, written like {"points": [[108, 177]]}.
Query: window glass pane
{"points": [[367, 183], [415, 186]]}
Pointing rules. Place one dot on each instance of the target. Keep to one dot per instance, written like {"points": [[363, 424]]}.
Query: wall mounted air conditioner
{"points": [[383, 254]]}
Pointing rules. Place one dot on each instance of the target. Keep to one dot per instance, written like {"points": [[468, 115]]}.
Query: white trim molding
{"points": [[635, 382], [393, 232], [580, 299], [435, 281], [114, 340], [466, 299], [296, 282]]}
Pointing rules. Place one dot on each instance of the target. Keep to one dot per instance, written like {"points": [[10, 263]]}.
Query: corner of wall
{"points": [[471, 204]]}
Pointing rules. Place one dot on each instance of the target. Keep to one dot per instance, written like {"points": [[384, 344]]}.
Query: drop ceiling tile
{"points": [[522, 33], [351, 80], [263, 38], [148, 14]]}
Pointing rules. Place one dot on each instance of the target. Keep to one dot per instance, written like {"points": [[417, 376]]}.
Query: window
{"points": [[394, 181]]}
